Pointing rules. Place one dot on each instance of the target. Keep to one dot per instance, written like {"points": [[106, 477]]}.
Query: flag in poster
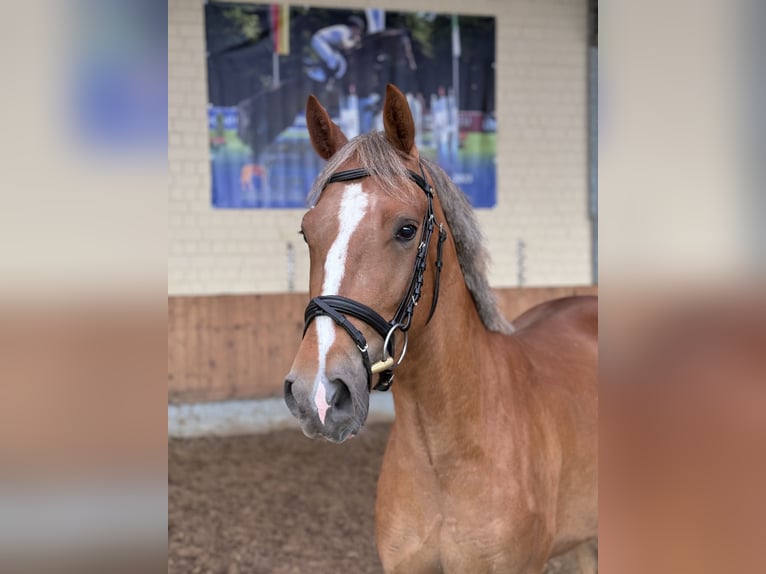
{"points": [[264, 60], [280, 29]]}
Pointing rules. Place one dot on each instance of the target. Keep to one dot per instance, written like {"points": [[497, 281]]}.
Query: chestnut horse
{"points": [[491, 464]]}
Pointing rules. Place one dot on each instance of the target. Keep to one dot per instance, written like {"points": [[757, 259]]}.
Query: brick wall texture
{"points": [[542, 174]]}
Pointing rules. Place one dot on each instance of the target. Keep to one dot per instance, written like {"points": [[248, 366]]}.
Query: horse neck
{"points": [[436, 387]]}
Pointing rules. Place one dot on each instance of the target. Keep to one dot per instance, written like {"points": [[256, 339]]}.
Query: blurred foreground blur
{"points": [[82, 287], [682, 294], [683, 431]]}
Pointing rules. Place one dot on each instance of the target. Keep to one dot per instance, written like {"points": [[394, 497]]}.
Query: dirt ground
{"points": [[277, 503]]}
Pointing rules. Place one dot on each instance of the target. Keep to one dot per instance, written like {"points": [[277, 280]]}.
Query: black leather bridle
{"points": [[337, 307]]}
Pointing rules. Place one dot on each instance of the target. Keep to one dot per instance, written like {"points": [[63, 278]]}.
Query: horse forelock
{"points": [[374, 153], [387, 166]]}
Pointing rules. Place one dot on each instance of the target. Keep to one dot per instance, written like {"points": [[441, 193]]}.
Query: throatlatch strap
{"points": [[437, 275]]}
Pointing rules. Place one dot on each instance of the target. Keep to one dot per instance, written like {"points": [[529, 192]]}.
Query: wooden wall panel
{"points": [[241, 346], [232, 346]]}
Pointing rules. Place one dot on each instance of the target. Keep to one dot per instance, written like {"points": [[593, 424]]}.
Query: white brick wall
{"points": [[541, 158]]}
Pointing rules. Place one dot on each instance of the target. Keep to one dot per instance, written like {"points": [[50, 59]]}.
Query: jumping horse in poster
{"points": [[381, 56], [491, 464]]}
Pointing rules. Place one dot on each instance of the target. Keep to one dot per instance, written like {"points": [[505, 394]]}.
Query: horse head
{"points": [[369, 238]]}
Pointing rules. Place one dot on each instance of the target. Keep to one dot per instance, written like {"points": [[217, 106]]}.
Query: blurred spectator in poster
{"points": [[453, 126], [446, 128], [369, 109], [440, 122], [416, 106], [349, 113]]}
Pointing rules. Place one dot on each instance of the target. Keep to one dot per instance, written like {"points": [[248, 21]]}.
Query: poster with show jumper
{"points": [[263, 60]]}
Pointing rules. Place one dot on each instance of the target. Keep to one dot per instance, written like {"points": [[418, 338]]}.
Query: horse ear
{"points": [[326, 137], [397, 120]]}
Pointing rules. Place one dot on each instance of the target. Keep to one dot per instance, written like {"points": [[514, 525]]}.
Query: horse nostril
{"points": [[289, 398], [341, 397]]}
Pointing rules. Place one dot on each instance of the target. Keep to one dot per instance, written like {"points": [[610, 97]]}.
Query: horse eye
{"points": [[406, 232]]}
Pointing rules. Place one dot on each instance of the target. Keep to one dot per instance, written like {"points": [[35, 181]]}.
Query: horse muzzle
{"points": [[330, 409]]}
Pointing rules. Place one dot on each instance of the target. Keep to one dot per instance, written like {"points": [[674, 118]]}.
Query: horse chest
{"points": [[454, 546], [458, 535]]}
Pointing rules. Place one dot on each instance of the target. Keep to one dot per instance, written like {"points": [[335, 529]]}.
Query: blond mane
{"points": [[374, 153]]}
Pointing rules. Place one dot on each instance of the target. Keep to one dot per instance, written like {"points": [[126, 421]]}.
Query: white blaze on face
{"points": [[353, 206]]}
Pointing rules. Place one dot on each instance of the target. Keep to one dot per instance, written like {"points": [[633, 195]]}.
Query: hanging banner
{"points": [[263, 61]]}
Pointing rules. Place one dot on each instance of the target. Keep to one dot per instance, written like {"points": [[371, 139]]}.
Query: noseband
{"points": [[337, 307]]}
